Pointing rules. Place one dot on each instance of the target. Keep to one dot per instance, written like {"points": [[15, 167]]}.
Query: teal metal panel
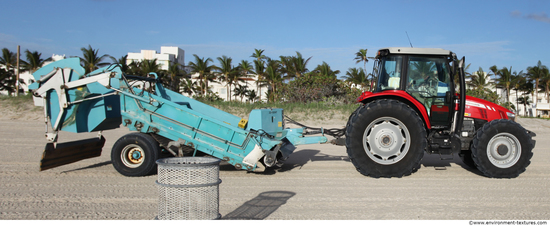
{"points": [[73, 63], [268, 120]]}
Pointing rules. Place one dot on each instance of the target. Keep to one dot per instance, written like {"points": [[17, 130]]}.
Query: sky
{"points": [[503, 33]]}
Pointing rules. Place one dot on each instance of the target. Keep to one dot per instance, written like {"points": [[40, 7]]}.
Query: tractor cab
{"points": [[423, 76]]}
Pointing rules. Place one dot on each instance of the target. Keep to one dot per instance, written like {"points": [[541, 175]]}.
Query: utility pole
{"points": [[17, 74]]}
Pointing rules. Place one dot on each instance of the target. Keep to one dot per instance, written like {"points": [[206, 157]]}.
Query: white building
{"points": [[538, 108], [167, 54]]}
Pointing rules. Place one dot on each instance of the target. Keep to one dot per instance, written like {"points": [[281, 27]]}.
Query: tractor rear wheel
{"points": [[135, 154], [385, 138], [502, 149]]}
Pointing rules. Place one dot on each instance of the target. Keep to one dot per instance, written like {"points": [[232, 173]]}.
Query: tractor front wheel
{"points": [[385, 138], [135, 154], [502, 149]]}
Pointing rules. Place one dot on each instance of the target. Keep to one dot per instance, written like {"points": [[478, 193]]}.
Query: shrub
{"points": [[313, 88]]}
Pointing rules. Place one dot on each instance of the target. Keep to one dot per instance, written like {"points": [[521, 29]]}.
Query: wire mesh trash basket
{"points": [[188, 188]]}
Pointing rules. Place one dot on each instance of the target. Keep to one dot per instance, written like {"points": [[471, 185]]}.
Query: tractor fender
{"points": [[398, 95]]}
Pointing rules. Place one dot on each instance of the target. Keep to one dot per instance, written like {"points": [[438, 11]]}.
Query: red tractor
{"points": [[414, 108]]}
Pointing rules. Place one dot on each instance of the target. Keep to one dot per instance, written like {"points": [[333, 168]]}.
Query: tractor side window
{"points": [[428, 80], [390, 74]]}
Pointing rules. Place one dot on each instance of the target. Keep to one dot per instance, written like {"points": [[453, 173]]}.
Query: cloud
{"points": [[542, 17], [515, 13]]}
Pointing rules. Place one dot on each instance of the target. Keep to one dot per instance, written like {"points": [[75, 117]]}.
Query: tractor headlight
{"points": [[511, 116]]}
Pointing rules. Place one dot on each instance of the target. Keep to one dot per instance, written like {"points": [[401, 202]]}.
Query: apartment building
{"points": [[167, 55]]}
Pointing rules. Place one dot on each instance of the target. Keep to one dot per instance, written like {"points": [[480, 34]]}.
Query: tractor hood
{"points": [[482, 109]]}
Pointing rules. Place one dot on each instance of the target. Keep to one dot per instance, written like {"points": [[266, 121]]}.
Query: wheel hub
{"points": [[135, 156], [386, 141], [503, 150], [132, 156]]}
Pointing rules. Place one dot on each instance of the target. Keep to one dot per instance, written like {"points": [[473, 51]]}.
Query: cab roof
{"points": [[419, 51]]}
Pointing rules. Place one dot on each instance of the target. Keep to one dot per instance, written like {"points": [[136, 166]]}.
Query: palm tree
{"points": [[227, 73], [7, 81], [536, 73], [134, 68], [148, 66], [188, 86], [480, 80], [259, 67], [251, 96], [34, 61], [241, 91], [123, 63], [528, 88], [201, 67], [91, 61], [325, 70], [286, 67], [361, 56], [245, 69], [8, 58], [175, 73], [525, 101], [517, 80], [274, 77], [258, 54], [495, 70], [504, 79], [357, 76], [545, 80], [299, 64]]}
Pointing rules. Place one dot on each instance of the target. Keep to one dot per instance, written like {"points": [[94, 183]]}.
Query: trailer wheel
{"points": [[502, 149], [135, 154], [385, 138]]}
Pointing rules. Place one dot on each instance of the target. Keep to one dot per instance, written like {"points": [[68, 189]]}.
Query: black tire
{"points": [[502, 149], [393, 126], [466, 156], [135, 154]]}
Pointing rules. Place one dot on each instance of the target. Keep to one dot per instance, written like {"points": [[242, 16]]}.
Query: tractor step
{"points": [[66, 153], [446, 156]]}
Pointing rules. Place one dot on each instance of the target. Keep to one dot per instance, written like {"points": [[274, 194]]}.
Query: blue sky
{"points": [[503, 33]]}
